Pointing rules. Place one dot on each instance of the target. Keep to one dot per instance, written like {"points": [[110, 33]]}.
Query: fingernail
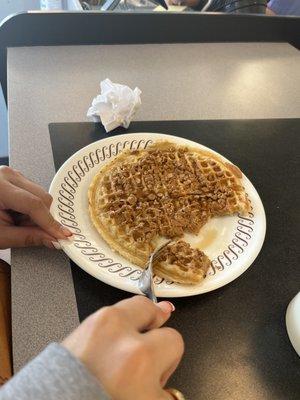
{"points": [[56, 245], [66, 231], [166, 306]]}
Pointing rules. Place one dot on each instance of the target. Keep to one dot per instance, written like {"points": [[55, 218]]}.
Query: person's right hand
{"points": [[25, 219], [126, 349]]}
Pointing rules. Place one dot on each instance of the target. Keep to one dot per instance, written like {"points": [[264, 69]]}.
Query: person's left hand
{"points": [[25, 219]]}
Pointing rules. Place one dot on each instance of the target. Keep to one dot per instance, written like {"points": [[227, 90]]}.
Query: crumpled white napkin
{"points": [[115, 106]]}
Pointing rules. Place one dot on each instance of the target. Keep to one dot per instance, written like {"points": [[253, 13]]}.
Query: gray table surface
{"points": [[179, 81]]}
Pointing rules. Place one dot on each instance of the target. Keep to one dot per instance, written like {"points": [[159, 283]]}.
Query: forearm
{"points": [[54, 374]]}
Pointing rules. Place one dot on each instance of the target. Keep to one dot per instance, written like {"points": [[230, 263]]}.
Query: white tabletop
{"points": [[178, 81]]}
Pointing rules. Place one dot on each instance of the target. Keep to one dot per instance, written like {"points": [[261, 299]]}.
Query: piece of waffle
{"points": [[163, 191], [181, 263]]}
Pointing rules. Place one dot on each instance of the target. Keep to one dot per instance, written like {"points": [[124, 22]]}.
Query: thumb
{"points": [[19, 236]]}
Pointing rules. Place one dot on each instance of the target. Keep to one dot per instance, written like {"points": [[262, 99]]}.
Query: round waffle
{"points": [[163, 192]]}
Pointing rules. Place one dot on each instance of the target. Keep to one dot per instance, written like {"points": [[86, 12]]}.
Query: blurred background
{"points": [[272, 7]]}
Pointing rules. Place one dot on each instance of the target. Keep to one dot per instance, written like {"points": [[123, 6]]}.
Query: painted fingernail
{"points": [[166, 306], [66, 231], [56, 245]]}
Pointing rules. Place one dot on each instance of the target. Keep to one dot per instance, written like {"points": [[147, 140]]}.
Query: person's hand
{"points": [[126, 349], [269, 11], [25, 219]]}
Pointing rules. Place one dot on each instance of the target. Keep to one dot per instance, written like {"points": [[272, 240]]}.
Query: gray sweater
{"points": [[55, 374]]}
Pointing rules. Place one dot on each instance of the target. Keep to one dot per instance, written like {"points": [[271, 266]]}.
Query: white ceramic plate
{"points": [[231, 242]]}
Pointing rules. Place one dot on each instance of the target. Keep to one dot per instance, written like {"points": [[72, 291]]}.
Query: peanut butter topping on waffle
{"points": [[168, 192], [185, 257], [164, 191]]}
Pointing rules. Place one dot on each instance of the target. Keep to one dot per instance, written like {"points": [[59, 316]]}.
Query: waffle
{"points": [[181, 263], [164, 191]]}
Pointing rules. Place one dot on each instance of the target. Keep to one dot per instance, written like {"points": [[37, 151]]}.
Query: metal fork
{"points": [[145, 282]]}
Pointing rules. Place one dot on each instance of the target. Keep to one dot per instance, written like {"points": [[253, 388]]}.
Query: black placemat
{"points": [[236, 341]]}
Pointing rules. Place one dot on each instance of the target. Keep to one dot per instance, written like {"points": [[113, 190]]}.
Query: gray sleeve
{"points": [[55, 374]]}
